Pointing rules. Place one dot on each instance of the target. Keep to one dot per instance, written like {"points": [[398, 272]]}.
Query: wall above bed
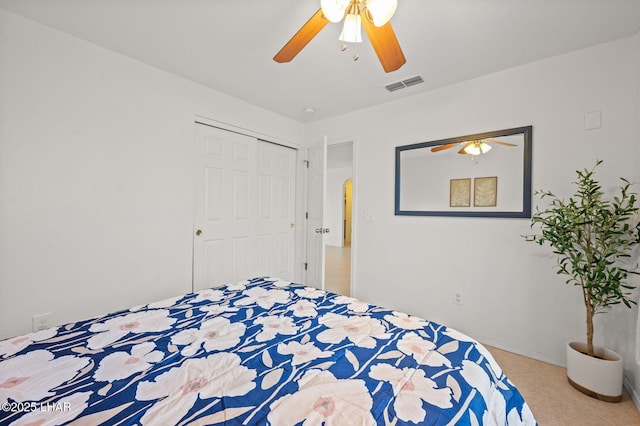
{"points": [[510, 294]]}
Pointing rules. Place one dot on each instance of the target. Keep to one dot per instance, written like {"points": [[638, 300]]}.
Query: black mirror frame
{"points": [[527, 131]]}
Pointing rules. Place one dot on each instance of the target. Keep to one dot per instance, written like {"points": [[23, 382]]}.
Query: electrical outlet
{"points": [[41, 322], [457, 297]]}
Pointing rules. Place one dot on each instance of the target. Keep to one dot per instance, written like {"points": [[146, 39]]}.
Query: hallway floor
{"points": [[338, 269]]}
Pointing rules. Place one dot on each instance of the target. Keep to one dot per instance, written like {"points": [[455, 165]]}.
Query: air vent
{"points": [[395, 86], [404, 83], [413, 81]]}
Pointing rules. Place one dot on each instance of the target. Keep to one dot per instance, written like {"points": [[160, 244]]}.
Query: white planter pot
{"points": [[596, 377]]}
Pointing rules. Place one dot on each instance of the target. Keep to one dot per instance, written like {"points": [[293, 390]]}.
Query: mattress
{"points": [[263, 351]]}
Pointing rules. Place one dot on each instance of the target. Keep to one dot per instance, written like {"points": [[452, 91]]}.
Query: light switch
{"points": [[592, 120]]}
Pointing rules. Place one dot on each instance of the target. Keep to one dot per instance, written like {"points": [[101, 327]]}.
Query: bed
{"points": [[263, 351]]}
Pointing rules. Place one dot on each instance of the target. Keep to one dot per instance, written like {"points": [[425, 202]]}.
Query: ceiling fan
{"points": [[475, 147], [373, 15]]}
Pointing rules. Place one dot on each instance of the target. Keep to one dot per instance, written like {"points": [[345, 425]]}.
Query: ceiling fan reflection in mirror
{"points": [[474, 148], [372, 15]]}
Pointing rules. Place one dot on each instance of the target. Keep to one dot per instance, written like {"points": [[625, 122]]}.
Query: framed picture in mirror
{"points": [[460, 192], [485, 191]]}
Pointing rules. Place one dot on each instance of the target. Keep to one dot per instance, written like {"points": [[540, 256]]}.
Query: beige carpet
{"points": [[337, 275], [554, 402]]}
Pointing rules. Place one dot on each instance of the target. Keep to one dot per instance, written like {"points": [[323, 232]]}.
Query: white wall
{"points": [[512, 297], [625, 323], [96, 179], [339, 168]]}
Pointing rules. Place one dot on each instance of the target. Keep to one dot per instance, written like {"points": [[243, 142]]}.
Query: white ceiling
{"points": [[228, 45]]}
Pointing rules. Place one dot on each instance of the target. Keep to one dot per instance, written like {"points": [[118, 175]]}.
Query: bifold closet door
{"points": [[244, 208], [276, 210]]}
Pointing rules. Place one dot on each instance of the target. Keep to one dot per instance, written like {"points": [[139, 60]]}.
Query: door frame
{"points": [[300, 191], [354, 207]]}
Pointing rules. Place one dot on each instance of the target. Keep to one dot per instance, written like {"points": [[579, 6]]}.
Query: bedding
{"points": [[263, 351]]}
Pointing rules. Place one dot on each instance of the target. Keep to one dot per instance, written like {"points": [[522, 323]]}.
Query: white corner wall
{"points": [[512, 297], [625, 323], [96, 178]]}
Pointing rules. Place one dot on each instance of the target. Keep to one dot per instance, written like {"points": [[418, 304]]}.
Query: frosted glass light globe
{"points": [[381, 10], [334, 10], [352, 29], [477, 148]]}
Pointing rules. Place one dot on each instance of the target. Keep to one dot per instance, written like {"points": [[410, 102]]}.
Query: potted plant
{"points": [[591, 235]]}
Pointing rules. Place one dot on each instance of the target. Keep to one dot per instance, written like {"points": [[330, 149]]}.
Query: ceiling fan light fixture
{"points": [[477, 148], [356, 17], [381, 11], [334, 10], [352, 29]]}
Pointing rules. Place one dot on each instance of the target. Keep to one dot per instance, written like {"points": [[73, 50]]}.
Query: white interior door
{"points": [[243, 210], [315, 207], [276, 210]]}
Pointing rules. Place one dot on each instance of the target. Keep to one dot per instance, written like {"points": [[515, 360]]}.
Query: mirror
{"points": [[482, 175]]}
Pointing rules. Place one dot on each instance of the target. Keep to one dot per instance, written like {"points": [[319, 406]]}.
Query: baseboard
{"points": [[632, 392], [520, 351]]}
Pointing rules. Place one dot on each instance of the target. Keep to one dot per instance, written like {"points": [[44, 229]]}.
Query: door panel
{"points": [[214, 258], [242, 193], [234, 198], [214, 192], [224, 194], [276, 220], [315, 226]]}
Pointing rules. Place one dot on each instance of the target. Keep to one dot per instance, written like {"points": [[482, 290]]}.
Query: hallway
{"points": [[338, 269]]}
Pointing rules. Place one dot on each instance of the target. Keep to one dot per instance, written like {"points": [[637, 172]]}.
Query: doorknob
{"points": [[322, 230], [199, 232], [319, 231]]}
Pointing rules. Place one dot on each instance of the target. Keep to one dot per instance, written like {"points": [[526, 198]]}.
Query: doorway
{"points": [[338, 211], [348, 204]]}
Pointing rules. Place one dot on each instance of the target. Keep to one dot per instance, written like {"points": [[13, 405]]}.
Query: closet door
{"points": [[244, 208]]}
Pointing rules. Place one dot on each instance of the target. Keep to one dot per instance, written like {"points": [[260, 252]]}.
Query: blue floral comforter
{"points": [[263, 351]]}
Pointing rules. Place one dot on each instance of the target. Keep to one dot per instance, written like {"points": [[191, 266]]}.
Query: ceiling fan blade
{"points": [[462, 151], [304, 35], [442, 147], [500, 142], [384, 42]]}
